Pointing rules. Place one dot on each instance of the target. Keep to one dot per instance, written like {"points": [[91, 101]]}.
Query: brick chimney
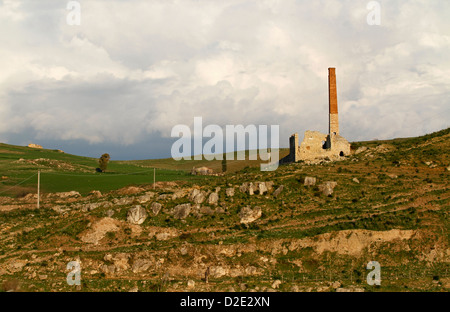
{"points": [[332, 99]]}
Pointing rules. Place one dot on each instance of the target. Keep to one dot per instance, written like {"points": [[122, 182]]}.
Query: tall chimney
{"points": [[332, 99]]}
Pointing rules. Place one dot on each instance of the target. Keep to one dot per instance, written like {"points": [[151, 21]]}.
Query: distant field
{"points": [[62, 172]]}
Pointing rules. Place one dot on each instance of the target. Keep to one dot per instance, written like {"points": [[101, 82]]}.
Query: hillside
{"points": [[61, 172], [245, 231]]}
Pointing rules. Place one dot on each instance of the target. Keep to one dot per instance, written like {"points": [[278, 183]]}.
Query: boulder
{"points": [[123, 201], [141, 265], [145, 198], [355, 180], [213, 198], [197, 196], [269, 185], [310, 181], [244, 187], [178, 194], [327, 187], [190, 284], [68, 194], [163, 236], [181, 211], [156, 208], [217, 271], [99, 229], [206, 210], [137, 215], [278, 191], [262, 188], [276, 284], [249, 215], [96, 194], [230, 191]]}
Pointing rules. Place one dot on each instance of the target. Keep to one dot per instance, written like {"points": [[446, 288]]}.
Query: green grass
{"points": [[76, 173]]}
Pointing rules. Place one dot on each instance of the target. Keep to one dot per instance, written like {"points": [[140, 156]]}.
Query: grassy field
{"points": [[62, 172]]}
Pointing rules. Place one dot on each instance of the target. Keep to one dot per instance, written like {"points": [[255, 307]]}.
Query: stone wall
{"points": [[317, 145]]}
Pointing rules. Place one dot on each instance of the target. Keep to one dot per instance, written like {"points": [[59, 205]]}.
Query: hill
{"points": [[299, 228], [61, 172]]}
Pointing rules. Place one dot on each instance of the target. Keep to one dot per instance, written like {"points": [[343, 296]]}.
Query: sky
{"points": [[132, 70]]}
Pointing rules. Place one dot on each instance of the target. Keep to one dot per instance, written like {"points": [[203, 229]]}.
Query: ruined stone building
{"points": [[317, 145]]}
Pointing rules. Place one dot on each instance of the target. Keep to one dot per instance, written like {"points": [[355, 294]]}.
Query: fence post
{"points": [[38, 187]]}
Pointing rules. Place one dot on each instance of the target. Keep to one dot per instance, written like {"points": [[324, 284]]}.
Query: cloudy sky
{"points": [[133, 69]]}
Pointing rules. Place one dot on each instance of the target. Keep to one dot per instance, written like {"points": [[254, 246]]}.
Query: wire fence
{"points": [[23, 181]]}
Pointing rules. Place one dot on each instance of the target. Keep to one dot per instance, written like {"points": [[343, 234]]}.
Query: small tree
{"points": [[103, 162]]}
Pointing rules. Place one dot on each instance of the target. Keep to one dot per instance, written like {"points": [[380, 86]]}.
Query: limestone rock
{"points": [[145, 198], [96, 194], [68, 194], [16, 265], [276, 284], [269, 185], [278, 191], [181, 211], [207, 210], [141, 265], [230, 191], [123, 201], [137, 215], [190, 284], [156, 208], [336, 285], [262, 188], [99, 229], [249, 215], [197, 196], [310, 181], [327, 188], [120, 261], [178, 194], [163, 236], [217, 271], [244, 187], [213, 198], [256, 188], [108, 269]]}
